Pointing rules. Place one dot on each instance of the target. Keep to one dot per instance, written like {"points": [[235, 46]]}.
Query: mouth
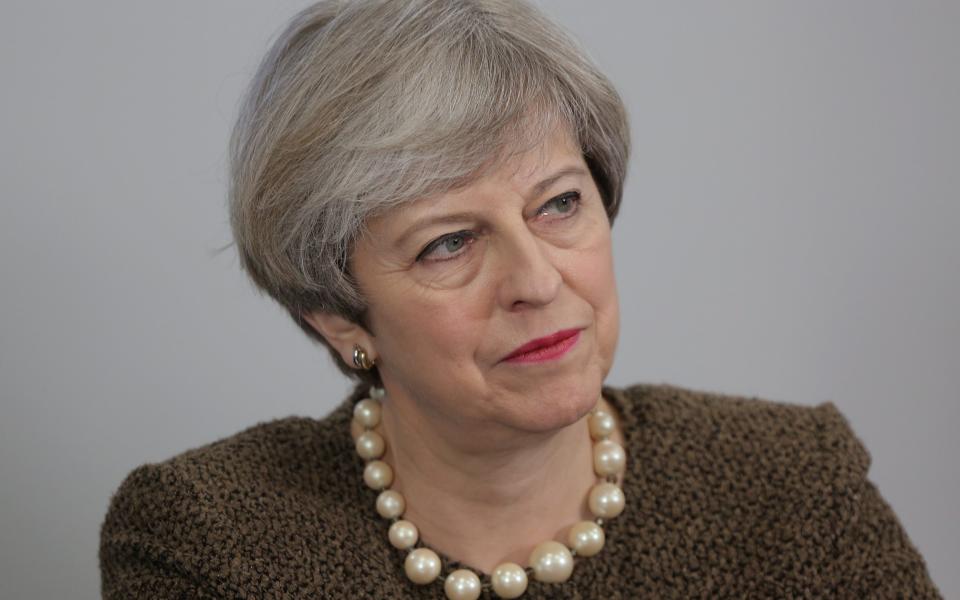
{"points": [[546, 348]]}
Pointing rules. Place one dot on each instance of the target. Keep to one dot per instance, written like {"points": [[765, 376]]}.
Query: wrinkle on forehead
{"points": [[534, 150], [517, 164], [531, 151]]}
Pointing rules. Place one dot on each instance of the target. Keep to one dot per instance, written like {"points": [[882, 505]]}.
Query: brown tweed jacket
{"points": [[728, 497]]}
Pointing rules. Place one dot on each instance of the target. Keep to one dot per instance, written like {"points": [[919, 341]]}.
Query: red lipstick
{"points": [[545, 348]]}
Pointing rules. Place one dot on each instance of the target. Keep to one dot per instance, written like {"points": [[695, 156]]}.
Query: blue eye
{"points": [[564, 203], [447, 247], [454, 245]]}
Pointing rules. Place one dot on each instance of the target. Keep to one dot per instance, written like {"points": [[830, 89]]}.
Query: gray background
{"points": [[788, 232]]}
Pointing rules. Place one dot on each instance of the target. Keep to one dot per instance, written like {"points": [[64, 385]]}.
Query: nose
{"points": [[529, 276]]}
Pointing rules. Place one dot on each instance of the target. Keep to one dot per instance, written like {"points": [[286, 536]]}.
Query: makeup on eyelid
{"points": [[470, 237]]}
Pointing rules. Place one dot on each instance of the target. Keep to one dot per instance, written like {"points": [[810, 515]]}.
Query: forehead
{"points": [[523, 168], [519, 164], [520, 173]]}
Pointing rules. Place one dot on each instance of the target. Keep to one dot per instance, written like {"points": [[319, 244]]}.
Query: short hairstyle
{"points": [[363, 105]]}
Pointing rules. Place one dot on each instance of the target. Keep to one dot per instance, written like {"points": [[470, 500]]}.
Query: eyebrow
{"points": [[536, 190]]}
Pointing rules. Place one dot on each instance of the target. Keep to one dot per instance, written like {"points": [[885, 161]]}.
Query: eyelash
{"points": [[469, 236]]}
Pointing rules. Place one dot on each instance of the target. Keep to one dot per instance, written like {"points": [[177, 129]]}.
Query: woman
{"points": [[428, 186]]}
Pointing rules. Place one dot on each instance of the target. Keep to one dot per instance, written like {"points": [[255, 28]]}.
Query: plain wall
{"points": [[789, 231]]}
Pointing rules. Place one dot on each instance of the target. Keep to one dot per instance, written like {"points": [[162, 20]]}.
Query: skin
{"points": [[492, 457]]}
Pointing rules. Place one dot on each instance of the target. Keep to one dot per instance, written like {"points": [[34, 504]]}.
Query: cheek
{"points": [[415, 325], [610, 328], [428, 327], [596, 284]]}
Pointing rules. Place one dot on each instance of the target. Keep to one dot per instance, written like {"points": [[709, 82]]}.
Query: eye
{"points": [[447, 247], [564, 204]]}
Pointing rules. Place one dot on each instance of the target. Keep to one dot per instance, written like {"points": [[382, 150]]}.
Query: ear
{"points": [[341, 333]]}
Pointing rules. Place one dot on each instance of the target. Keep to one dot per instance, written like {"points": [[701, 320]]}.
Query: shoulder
{"points": [[212, 513], [786, 485], [278, 453], [749, 432], [290, 453], [774, 482]]}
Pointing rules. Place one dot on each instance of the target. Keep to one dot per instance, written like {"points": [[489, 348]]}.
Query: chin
{"points": [[561, 405]]}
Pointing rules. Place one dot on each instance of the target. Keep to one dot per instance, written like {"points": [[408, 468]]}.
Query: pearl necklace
{"points": [[550, 562]]}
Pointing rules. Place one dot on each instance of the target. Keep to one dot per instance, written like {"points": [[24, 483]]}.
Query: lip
{"points": [[546, 348]]}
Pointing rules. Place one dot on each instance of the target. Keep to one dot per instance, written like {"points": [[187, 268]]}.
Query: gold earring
{"points": [[360, 358]]}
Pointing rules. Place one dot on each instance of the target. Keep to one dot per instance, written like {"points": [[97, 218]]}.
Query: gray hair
{"points": [[363, 105]]}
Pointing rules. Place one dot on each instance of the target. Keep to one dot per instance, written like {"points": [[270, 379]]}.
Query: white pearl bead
{"points": [[601, 425], [608, 458], [587, 538], [370, 444], [551, 562], [377, 475], [367, 412], [390, 504], [606, 500], [509, 580], [462, 584], [422, 566], [403, 534]]}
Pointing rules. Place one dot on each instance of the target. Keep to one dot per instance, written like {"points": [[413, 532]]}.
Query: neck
{"points": [[492, 496]]}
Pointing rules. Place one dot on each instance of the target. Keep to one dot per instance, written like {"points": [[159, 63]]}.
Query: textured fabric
{"points": [[727, 496]]}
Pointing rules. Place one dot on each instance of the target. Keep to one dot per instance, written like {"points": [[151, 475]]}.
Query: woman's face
{"points": [[458, 282]]}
